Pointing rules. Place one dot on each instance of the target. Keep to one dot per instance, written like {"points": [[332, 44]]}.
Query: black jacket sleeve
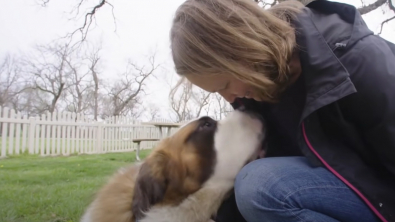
{"points": [[371, 65]]}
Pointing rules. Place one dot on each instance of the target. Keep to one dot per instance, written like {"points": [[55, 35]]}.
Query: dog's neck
{"points": [[197, 207]]}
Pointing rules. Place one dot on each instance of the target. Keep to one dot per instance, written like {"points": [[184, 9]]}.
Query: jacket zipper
{"points": [[340, 177]]}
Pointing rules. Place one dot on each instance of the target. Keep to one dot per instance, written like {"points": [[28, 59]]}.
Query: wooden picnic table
{"points": [[160, 126], [138, 141], [163, 125]]}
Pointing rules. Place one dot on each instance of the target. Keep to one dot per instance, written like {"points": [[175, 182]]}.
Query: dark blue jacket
{"points": [[348, 119]]}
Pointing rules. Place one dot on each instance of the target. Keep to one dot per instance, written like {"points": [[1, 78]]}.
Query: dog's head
{"points": [[200, 150]]}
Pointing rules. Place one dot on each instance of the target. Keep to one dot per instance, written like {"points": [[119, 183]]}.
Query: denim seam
{"points": [[284, 203]]}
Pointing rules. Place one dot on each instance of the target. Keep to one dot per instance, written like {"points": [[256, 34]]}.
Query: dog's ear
{"points": [[150, 185]]}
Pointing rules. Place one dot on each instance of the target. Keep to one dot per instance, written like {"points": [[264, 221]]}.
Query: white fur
{"points": [[237, 140], [198, 207]]}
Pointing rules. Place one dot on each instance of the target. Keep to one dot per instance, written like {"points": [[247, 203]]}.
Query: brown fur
{"points": [[113, 201], [177, 167]]}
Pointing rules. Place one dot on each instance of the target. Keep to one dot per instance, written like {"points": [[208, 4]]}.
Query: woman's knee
{"points": [[268, 174], [262, 184], [279, 188]]}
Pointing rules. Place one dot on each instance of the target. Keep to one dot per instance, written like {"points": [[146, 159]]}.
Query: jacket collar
{"points": [[347, 14], [326, 78]]}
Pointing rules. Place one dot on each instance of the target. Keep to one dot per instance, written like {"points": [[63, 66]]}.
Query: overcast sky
{"points": [[142, 25]]}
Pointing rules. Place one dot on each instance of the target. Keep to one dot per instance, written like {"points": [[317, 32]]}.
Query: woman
{"points": [[324, 83]]}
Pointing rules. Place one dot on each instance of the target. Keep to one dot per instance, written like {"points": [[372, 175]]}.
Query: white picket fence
{"points": [[66, 133]]}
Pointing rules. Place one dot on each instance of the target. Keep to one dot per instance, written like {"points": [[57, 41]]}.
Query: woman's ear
{"points": [[150, 187]]}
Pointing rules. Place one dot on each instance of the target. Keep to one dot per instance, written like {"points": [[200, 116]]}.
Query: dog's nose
{"points": [[207, 119]]}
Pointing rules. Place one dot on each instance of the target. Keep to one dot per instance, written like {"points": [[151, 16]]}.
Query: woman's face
{"points": [[227, 86]]}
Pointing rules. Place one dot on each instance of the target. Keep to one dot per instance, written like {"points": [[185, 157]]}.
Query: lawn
{"points": [[54, 189]]}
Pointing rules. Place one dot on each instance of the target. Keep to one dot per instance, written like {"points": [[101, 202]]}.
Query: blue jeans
{"points": [[289, 189]]}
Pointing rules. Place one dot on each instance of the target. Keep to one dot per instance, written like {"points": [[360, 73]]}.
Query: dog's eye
{"points": [[207, 124]]}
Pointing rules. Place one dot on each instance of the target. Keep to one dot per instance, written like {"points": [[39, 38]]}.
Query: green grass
{"points": [[54, 189]]}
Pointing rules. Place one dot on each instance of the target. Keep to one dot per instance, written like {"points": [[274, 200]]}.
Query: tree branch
{"points": [[56, 97], [89, 17], [44, 90], [44, 3], [87, 21], [368, 8], [384, 22]]}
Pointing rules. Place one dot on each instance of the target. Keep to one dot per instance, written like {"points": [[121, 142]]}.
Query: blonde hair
{"points": [[235, 37]]}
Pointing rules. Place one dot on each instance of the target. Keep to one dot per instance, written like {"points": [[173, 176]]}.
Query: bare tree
{"points": [[189, 102], [201, 99], [153, 112], [124, 95], [222, 107], [94, 59], [49, 72], [83, 91], [10, 79], [29, 101], [179, 103], [79, 86], [59, 78]]}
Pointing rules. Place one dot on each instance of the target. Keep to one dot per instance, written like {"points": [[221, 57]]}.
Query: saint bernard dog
{"points": [[186, 177]]}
